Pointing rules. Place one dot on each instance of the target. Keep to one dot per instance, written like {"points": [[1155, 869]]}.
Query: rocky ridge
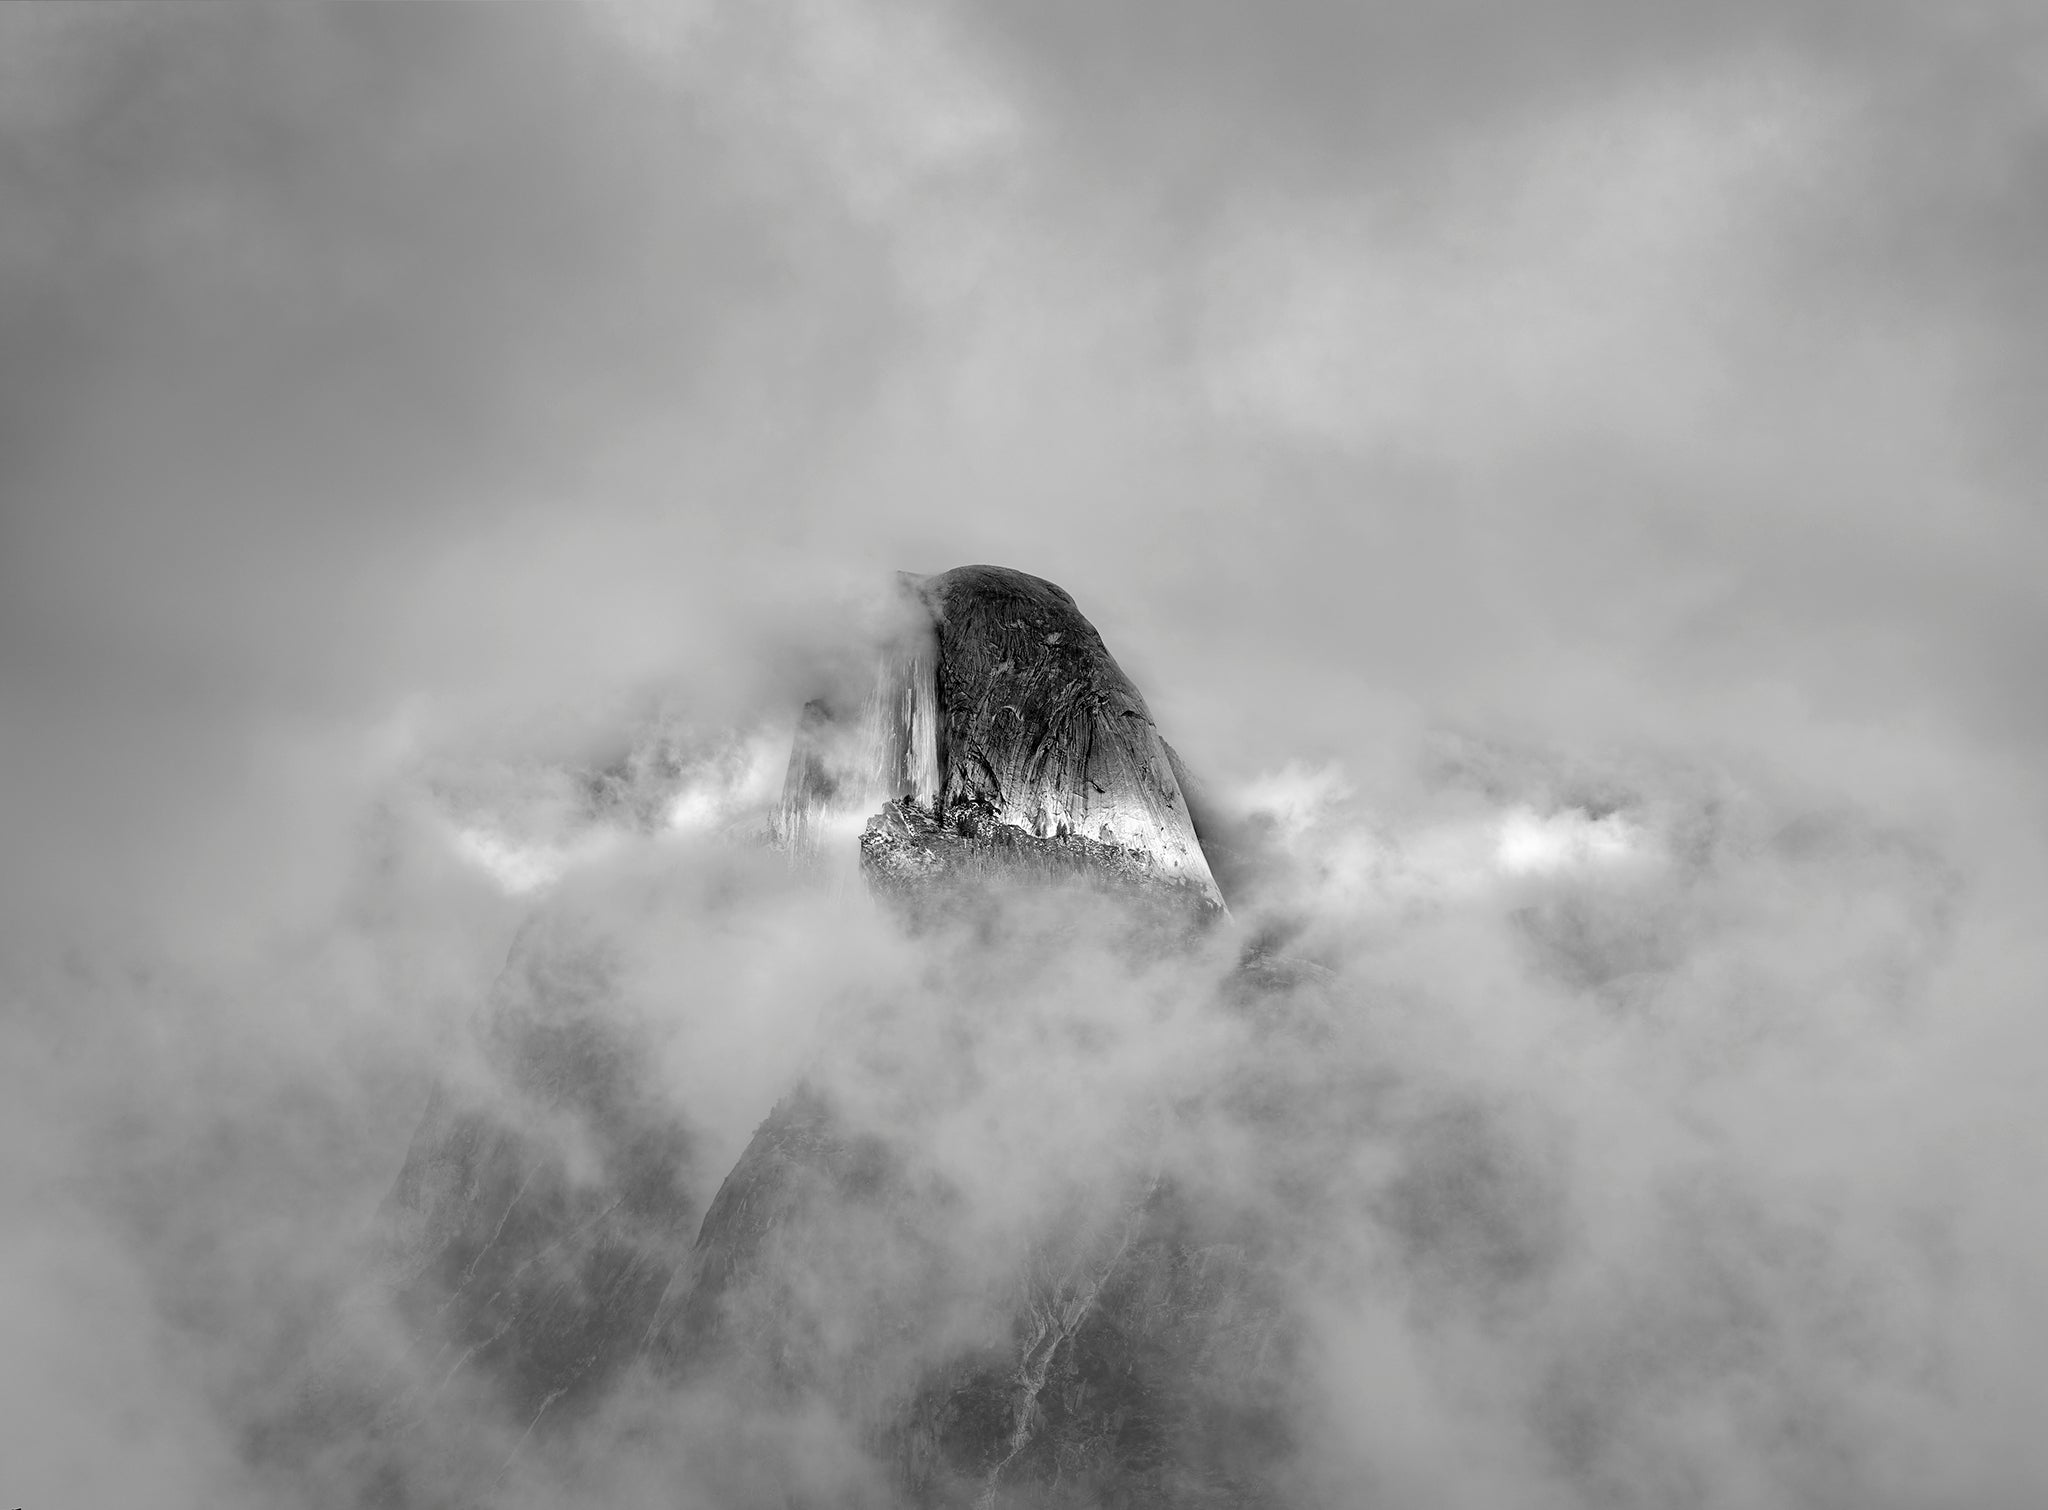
{"points": [[999, 751]]}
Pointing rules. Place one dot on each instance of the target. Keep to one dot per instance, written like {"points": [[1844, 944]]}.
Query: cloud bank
{"points": [[1564, 476]]}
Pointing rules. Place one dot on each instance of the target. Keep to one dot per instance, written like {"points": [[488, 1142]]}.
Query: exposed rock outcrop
{"points": [[1132, 1351], [997, 706], [1041, 730]]}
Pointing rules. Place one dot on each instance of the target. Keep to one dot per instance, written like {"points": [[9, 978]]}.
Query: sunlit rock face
{"points": [[1041, 730], [996, 708], [934, 873]]}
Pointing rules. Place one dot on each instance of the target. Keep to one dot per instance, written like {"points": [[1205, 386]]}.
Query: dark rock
{"points": [[998, 706], [536, 1223], [1040, 730], [1148, 1365]]}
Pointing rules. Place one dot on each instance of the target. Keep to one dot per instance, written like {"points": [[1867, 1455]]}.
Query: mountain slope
{"points": [[1125, 1344]]}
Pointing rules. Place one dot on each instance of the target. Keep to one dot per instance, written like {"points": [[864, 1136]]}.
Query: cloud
{"points": [[1592, 444]]}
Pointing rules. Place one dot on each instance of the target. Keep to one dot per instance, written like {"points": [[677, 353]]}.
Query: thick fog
{"points": [[1564, 477]]}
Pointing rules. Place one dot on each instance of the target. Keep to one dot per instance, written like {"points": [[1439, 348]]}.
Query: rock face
{"points": [[525, 1269], [1131, 1350], [863, 745], [998, 707], [934, 870], [1139, 1348], [1039, 728]]}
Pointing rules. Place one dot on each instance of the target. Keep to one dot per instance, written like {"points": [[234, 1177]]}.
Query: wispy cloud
{"points": [[396, 404]]}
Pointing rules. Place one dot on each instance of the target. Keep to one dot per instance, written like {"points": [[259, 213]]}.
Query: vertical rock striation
{"points": [[997, 736], [1040, 729], [859, 747]]}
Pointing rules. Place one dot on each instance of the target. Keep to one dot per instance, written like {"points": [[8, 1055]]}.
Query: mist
{"points": [[1564, 478]]}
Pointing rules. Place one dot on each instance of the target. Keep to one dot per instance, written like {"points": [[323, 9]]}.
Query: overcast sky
{"points": [[1656, 371], [1602, 376]]}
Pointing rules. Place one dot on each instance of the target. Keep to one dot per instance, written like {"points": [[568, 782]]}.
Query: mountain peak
{"points": [[999, 708]]}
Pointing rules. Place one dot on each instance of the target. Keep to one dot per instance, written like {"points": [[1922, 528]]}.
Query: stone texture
{"points": [[1040, 730]]}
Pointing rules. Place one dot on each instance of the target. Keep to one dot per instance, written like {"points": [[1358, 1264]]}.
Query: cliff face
{"points": [[533, 1228], [868, 743], [998, 707], [1130, 1350], [1040, 729], [1133, 1351]]}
